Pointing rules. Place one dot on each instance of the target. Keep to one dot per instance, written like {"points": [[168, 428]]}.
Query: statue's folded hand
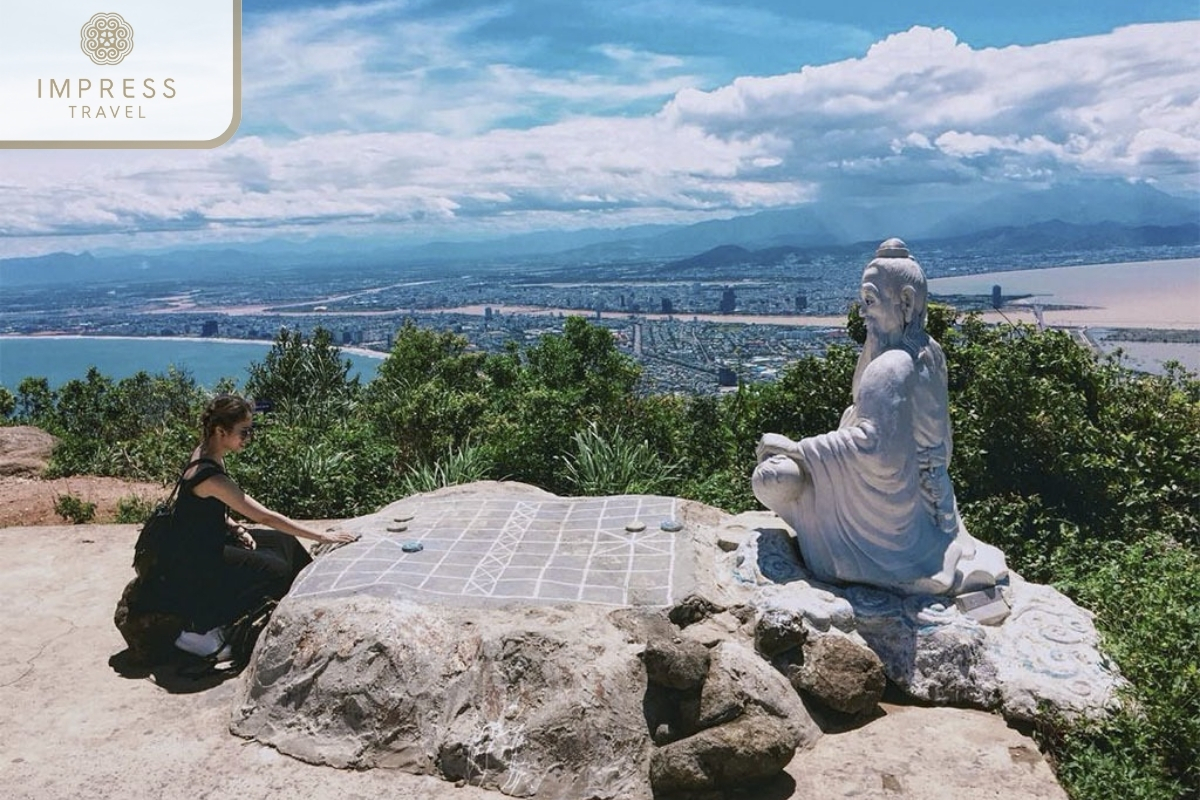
{"points": [[775, 444]]}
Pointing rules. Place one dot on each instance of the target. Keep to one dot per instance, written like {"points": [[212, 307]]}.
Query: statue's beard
{"points": [[913, 338]]}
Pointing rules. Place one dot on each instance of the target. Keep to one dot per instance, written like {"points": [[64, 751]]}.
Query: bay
{"points": [[62, 358]]}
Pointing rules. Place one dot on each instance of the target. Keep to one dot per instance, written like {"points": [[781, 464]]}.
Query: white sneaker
{"points": [[201, 644]]}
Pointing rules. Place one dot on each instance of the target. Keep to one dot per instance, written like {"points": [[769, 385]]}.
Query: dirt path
{"points": [[30, 501]]}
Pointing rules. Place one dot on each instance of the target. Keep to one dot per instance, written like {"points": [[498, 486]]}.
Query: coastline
{"points": [[358, 351]]}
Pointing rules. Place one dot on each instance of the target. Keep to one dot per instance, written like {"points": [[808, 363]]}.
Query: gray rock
{"points": [[1048, 652], [546, 702], [692, 609], [25, 450], [740, 682], [676, 664], [778, 631], [533, 646], [752, 748], [841, 673], [1045, 653], [926, 753], [716, 629]]}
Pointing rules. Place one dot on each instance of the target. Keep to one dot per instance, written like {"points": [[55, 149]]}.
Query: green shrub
{"points": [[615, 464], [133, 509], [335, 471], [458, 466], [8, 403], [74, 510]]}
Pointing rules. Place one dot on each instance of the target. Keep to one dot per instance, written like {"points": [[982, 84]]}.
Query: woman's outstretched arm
{"points": [[224, 489]]}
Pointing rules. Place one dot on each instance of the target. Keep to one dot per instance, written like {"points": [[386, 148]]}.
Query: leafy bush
{"points": [[74, 510], [615, 464], [305, 380], [8, 403], [331, 472], [135, 427], [133, 509]]}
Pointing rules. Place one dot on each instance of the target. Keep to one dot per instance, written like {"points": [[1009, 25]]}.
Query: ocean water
{"points": [[61, 358]]}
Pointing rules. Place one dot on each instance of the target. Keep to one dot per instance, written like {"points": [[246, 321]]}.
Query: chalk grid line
{"points": [[458, 553]]}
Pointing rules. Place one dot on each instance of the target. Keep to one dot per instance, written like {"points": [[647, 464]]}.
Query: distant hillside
{"points": [[1059, 235], [1090, 203], [84, 268], [1082, 216], [837, 222], [995, 244], [730, 255], [810, 226]]}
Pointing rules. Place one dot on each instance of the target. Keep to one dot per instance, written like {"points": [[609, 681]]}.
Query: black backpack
{"points": [[243, 634], [240, 637]]}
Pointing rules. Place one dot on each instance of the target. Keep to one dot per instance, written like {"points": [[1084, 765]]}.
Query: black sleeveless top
{"points": [[199, 537]]}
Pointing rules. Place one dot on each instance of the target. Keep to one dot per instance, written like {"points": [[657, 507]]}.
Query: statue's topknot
{"points": [[893, 248]]}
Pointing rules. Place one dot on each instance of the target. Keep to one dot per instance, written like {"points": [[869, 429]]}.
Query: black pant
{"points": [[250, 576]]}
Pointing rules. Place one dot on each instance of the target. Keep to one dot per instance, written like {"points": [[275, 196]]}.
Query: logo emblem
{"points": [[106, 38]]}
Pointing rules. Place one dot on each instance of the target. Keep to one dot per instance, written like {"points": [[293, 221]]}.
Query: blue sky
{"points": [[452, 119]]}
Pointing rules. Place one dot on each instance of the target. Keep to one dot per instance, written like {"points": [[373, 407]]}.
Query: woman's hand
{"points": [[333, 536], [244, 538]]}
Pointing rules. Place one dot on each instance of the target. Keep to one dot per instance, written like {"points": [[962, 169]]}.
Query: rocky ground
{"points": [[77, 722]]}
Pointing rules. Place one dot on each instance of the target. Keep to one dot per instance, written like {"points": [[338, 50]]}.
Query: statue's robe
{"points": [[871, 502]]}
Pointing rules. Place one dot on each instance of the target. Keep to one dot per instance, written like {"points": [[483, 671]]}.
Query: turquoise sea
{"points": [[61, 358]]}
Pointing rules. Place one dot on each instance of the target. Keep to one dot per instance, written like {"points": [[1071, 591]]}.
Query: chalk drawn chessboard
{"points": [[487, 550]]}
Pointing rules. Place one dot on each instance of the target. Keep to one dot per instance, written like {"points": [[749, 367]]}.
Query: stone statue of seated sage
{"points": [[872, 502]]}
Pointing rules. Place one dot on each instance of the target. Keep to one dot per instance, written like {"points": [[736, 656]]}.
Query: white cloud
{"points": [[375, 67], [919, 111], [1098, 105]]}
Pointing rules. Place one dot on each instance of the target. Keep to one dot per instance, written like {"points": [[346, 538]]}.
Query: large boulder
{"points": [[750, 749], [24, 450], [622, 647], [502, 636]]}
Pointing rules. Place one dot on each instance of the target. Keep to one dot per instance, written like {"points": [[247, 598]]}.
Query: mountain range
{"points": [[1095, 215]]}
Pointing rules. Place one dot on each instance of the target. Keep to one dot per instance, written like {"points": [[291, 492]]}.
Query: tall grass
{"points": [[457, 466], [615, 464]]}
